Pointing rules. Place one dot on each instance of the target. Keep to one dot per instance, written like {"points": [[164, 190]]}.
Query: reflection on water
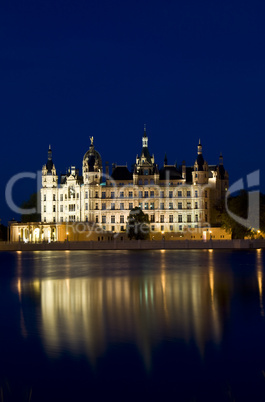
{"points": [[84, 315], [185, 322]]}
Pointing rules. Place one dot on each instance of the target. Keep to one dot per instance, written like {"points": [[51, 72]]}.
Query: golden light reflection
{"points": [[260, 280], [82, 315]]}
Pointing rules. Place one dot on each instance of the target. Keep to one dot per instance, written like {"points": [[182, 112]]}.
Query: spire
{"points": [[165, 159], [50, 153], [145, 138], [199, 148], [49, 164]]}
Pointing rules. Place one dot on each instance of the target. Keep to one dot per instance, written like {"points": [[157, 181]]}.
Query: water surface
{"points": [[132, 325]]}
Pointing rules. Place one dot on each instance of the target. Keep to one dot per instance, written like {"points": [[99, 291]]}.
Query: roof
{"points": [[169, 173], [121, 173], [146, 154]]}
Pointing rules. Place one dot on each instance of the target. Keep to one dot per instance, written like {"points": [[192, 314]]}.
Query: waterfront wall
{"points": [[135, 245]]}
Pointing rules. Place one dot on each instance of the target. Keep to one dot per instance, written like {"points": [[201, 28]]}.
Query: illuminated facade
{"points": [[174, 197]]}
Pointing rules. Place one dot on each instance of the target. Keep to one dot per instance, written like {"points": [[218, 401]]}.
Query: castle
{"points": [[176, 198]]}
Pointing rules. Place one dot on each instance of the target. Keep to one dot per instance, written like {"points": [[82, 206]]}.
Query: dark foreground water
{"points": [[132, 326]]}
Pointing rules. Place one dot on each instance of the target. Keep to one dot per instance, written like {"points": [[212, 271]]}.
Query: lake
{"points": [[186, 325]]}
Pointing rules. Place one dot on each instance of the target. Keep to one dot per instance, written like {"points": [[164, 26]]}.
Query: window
{"points": [[54, 198], [140, 181], [179, 205], [196, 218], [162, 206], [65, 196], [130, 194], [72, 207], [171, 218], [122, 219], [152, 218], [121, 194], [113, 228], [188, 193], [61, 219], [205, 194], [162, 218], [140, 194], [61, 208], [152, 194], [103, 206], [196, 205], [44, 197], [145, 182], [206, 218], [112, 219], [196, 193], [86, 206], [189, 218], [179, 193], [162, 228], [170, 205], [122, 205], [112, 205], [54, 208], [61, 197], [146, 194], [96, 206], [180, 227], [54, 219], [86, 194], [44, 219], [96, 194], [146, 205], [141, 205], [112, 195], [171, 194], [152, 205], [161, 194], [96, 218], [152, 181], [171, 228], [103, 195], [206, 205], [130, 205], [77, 196], [188, 205], [153, 228], [180, 218], [103, 219]]}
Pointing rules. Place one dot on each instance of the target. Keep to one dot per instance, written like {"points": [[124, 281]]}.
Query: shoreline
{"points": [[237, 244]]}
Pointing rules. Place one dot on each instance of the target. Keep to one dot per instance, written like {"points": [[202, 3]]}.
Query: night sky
{"points": [[186, 69]]}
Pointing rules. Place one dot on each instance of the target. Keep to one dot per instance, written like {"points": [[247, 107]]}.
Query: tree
{"points": [[239, 206], [138, 224], [31, 203]]}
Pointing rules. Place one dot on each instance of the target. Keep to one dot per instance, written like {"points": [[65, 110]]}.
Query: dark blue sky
{"points": [[187, 69]]}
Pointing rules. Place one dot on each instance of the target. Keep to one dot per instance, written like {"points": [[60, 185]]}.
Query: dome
{"points": [[92, 158]]}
